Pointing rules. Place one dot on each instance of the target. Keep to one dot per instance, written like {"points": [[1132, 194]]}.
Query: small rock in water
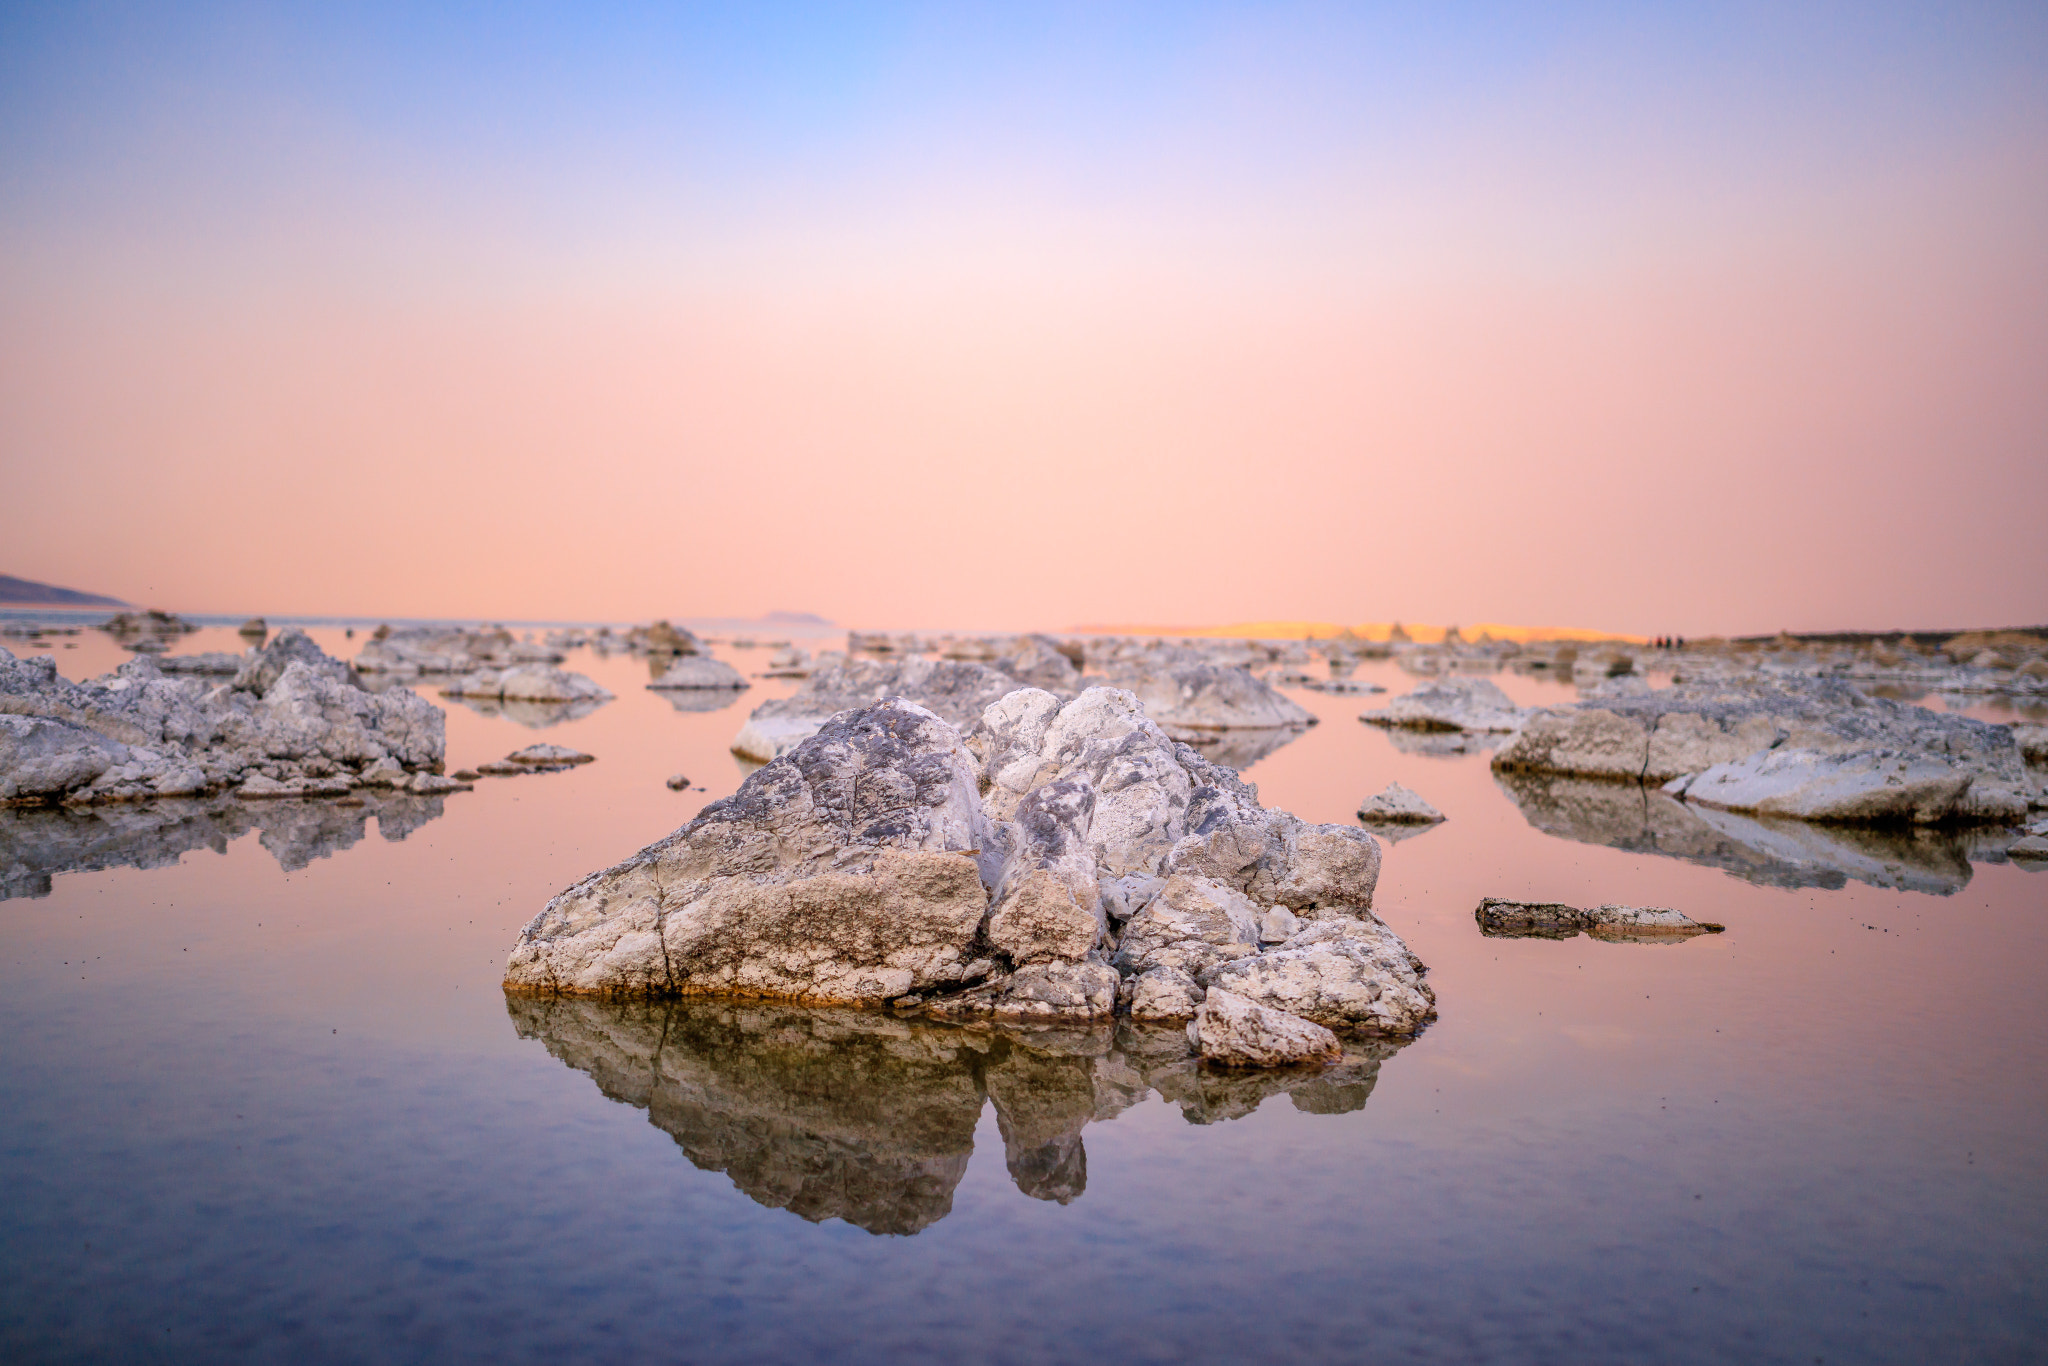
{"points": [[678, 783], [1397, 805], [2029, 849], [1550, 920], [549, 754], [1232, 1031]]}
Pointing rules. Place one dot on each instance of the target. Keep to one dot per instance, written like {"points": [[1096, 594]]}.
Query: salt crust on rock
{"points": [[1814, 749], [291, 716], [1014, 874]]}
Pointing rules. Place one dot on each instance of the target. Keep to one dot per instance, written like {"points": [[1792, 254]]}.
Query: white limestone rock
{"points": [[1453, 704], [1233, 1031]]}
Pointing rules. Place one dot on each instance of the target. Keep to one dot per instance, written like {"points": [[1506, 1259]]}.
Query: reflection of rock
{"points": [[860, 1116], [1441, 743], [532, 715], [36, 843], [1238, 749], [1768, 852], [690, 700]]}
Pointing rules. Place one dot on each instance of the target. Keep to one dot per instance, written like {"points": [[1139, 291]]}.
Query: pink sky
{"points": [[1635, 381]]}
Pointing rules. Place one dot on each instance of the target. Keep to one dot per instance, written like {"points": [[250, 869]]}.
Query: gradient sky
{"points": [[1619, 316]]}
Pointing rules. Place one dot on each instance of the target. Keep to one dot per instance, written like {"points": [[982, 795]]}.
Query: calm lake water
{"points": [[266, 1101]]}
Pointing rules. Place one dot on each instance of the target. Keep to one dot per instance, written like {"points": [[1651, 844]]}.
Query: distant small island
{"points": [[27, 592]]}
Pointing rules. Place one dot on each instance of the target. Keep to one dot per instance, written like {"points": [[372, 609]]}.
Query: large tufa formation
{"points": [[1064, 860], [292, 722], [1815, 749]]}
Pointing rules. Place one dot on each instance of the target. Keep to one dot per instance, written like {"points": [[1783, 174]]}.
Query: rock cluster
{"points": [[291, 722], [1503, 919], [1192, 697], [1037, 869]]}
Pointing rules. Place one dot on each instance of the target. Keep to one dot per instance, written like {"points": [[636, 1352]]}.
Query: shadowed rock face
{"points": [[860, 1116], [37, 843], [1762, 850]]}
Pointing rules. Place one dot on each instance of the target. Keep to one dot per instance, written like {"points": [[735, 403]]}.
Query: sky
{"points": [[1643, 318]]}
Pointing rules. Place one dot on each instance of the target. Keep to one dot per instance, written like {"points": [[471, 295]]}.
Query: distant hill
{"points": [[29, 593], [799, 618]]}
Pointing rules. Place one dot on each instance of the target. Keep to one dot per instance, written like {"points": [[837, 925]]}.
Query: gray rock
{"points": [[700, 671], [1233, 1031], [1450, 704], [1397, 805], [1194, 700], [956, 692], [1616, 924], [528, 683], [844, 872], [42, 759], [1813, 749]]}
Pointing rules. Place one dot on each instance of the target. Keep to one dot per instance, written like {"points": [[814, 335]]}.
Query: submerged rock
{"points": [[1813, 749], [1450, 704], [291, 716], [1617, 924]]}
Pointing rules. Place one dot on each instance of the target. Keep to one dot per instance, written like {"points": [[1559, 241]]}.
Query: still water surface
{"points": [[268, 1102]]}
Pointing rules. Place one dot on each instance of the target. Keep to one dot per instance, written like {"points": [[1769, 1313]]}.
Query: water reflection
{"points": [[1240, 749], [1771, 852], [700, 699], [36, 843], [859, 1116], [533, 715]]}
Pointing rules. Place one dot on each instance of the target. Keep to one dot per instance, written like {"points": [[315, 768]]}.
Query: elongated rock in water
{"points": [[1549, 920]]}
